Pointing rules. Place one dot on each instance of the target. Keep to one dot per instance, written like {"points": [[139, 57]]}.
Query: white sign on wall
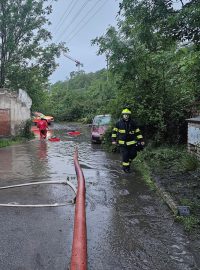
{"points": [[194, 135]]}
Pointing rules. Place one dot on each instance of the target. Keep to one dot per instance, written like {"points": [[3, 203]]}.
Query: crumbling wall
{"points": [[14, 111]]}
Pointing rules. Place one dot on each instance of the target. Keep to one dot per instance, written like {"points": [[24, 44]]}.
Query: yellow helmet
{"points": [[126, 111]]}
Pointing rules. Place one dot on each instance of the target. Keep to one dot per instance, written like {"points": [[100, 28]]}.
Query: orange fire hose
{"points": [[79, 245]]}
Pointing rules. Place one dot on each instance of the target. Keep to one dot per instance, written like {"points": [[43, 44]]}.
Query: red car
{"points": [[38, 115], [99, 126]]}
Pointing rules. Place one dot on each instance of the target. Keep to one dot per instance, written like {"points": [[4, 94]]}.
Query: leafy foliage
{"points": [[25, 130], [153, 65], [156, 72], [82, 96], [26, 62]]}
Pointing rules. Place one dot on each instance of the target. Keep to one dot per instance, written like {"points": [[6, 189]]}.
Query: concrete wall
{"points": [[193, 143], [16, 107]]}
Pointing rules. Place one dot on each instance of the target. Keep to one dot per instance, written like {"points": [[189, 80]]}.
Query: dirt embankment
{"points": [[184, 190], [176, 176]]}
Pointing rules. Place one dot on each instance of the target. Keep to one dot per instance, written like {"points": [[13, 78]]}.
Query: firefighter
{"points": [[127, 135], [43, 126]]}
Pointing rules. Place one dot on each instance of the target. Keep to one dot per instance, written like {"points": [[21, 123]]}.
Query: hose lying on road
{"points": [[14, 204], [34, 205], [79, 245]]}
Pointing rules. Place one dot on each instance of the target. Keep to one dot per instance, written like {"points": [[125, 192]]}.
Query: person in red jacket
{"points": [[43, 126]]}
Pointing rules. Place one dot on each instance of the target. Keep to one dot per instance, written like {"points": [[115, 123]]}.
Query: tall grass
{"points": [[10, 141], [172, 156], [25, 133]]}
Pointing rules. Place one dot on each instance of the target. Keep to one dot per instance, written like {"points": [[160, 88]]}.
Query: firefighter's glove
{"points": [[114, 147], [140, 146]]}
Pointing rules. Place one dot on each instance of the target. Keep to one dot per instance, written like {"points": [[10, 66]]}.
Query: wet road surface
{"points": [[128, 226]]}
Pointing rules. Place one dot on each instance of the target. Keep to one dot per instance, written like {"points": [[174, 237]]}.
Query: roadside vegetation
{"points": [[178, 172], [27, 55], [24, 134], [172, 167], [153, 65], [9, 141]]}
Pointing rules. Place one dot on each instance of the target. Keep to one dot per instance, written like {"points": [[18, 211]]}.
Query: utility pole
{"points": [[78, 63]]}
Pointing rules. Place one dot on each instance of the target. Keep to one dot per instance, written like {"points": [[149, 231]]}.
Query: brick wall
{"points": [[5, 122]]}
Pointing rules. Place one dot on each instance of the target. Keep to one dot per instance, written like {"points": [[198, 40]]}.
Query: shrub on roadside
{"points": [[189, 223], [190, 162], [25, 130], [107, 142], [6, 142], [171, 156]]}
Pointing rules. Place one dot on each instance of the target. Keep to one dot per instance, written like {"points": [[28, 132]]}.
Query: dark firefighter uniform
{"points": [[128, 136]]}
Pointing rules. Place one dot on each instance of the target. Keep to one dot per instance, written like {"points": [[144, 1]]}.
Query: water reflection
{"points": [[42, 150], [128, 226]]}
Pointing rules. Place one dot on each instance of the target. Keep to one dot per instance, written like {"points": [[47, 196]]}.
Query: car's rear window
{"points": [[102, 120]]}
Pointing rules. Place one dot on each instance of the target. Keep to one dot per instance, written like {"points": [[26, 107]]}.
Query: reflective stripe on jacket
{"points": [[126, 133]]}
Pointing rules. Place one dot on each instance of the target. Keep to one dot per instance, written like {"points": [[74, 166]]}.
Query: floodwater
{"points": [[128, 225]]}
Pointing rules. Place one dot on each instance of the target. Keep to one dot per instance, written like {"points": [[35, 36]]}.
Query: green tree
{"points": [[155, 73], [26, 62], [81, 97]]}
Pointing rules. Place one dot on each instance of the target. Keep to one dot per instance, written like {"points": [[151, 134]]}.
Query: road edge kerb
{"points": [[152, 183], [167, 198]]}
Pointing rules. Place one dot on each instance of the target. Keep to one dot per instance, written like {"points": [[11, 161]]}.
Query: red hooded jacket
{"points": [[42, 124]]}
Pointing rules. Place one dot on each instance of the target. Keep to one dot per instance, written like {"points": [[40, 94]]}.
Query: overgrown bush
{"points": [[107, 142], [170, 156], [190, 162], [25, 130]]}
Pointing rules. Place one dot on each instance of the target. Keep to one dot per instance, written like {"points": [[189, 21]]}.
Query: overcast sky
{"points": [[77, 22]]}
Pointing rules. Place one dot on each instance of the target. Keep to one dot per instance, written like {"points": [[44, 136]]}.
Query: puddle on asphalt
{"points": [[128, 226]]}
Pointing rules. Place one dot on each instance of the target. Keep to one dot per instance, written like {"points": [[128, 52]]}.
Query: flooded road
{"points": [[128, 226]]}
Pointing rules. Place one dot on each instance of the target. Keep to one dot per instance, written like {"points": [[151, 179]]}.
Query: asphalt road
{"points": [[128, 226]]}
